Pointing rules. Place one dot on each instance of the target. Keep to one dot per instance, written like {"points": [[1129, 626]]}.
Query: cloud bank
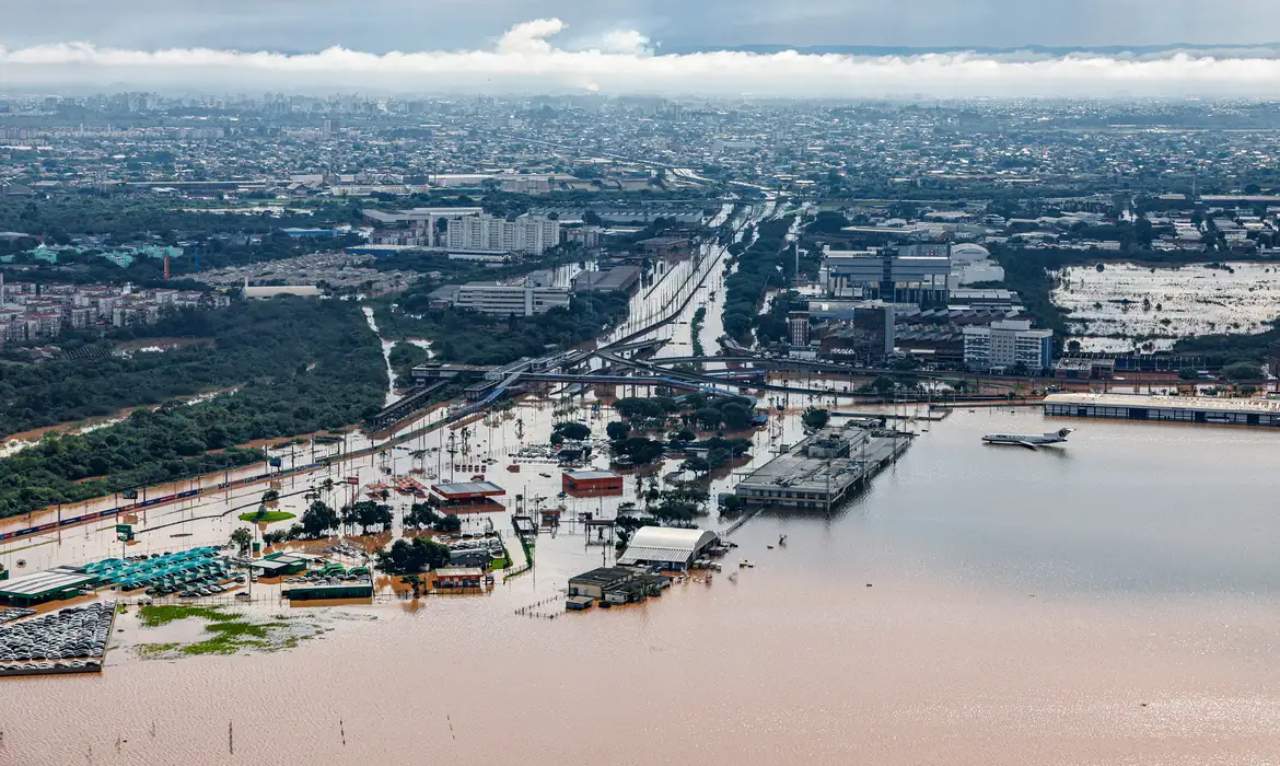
{"points": [[526, 59]]}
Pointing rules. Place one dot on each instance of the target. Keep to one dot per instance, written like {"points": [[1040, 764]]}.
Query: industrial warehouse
{"points": [[1180, 409], [635, 578], [669, 548]]}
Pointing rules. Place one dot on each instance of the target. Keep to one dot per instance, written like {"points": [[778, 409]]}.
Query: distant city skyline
{"points": [[872, 48]]}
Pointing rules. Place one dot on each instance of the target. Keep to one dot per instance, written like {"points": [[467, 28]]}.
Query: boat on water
{"points": [[1029, 441]]}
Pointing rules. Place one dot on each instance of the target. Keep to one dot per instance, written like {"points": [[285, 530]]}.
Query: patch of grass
{"points": [[229, 633], [151, 650], [230, 637], [500, 563], [253, 517], [154, 615]]}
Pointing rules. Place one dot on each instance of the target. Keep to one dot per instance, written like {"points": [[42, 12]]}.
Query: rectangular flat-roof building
{"points": [[1178, 409], [315, 591], [458, 577], [591, 482], [277, 564], [39, 587], [615, 280], [468, 496], [467, 490], [1008, 344], [593, 584]]}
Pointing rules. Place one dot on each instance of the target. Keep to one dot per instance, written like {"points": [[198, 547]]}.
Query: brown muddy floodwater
{"points": [[1115, 601]]}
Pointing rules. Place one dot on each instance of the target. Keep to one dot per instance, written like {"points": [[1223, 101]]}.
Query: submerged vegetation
{"points": [[229, 632]]}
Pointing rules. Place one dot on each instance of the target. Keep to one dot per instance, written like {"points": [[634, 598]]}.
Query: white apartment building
{"points": [[529, 235], [1006, 344], [416, 227]]}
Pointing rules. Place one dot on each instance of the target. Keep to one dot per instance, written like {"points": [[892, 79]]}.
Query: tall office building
{"points": [[798, 328], [1006, 344]]}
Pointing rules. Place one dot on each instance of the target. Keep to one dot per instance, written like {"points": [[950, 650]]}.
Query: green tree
{"points": [[1242, 370], [736, 416], [815, 418], [708, 417], [447, 524], [571, 430], [319, 519], [617, 430], [641, 450], [407, 557], [242, 539]]}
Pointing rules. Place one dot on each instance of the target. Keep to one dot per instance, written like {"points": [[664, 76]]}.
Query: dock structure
{"points": [[1177, 409], [824, 469]]}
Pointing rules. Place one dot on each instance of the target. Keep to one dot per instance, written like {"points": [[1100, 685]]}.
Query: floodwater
{"points": [[1111, 308], [392, 396], [1111, 601]]}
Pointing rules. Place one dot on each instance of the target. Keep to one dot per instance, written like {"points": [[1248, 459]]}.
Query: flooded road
{"points": [[392, 397], [1111, 601]]}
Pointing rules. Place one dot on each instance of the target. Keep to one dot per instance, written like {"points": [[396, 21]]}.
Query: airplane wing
{"points": [[1027, 444]]}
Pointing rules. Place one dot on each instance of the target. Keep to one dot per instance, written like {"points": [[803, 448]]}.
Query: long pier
{"points": [[824, 469]]}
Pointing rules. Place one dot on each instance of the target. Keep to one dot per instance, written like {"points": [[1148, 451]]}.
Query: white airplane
{"points": [[1030, 441]]}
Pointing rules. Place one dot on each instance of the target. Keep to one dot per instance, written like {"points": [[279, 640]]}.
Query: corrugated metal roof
{"points": [[666, 544]]}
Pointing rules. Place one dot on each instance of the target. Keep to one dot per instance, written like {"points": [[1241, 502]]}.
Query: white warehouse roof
{"points": [[657, 544]]}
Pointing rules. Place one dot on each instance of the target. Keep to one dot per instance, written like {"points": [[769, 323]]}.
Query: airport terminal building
{"points": [[1181, 409]]}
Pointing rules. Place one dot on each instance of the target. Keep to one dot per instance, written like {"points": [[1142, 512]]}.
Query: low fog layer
{"points": [[623, 61]]}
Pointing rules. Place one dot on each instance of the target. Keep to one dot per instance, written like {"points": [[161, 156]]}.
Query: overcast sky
{"points": [[383, 25], [631, 46]]}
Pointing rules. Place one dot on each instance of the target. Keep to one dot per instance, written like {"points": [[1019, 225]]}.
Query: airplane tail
{"points": [[1064, 432]]}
